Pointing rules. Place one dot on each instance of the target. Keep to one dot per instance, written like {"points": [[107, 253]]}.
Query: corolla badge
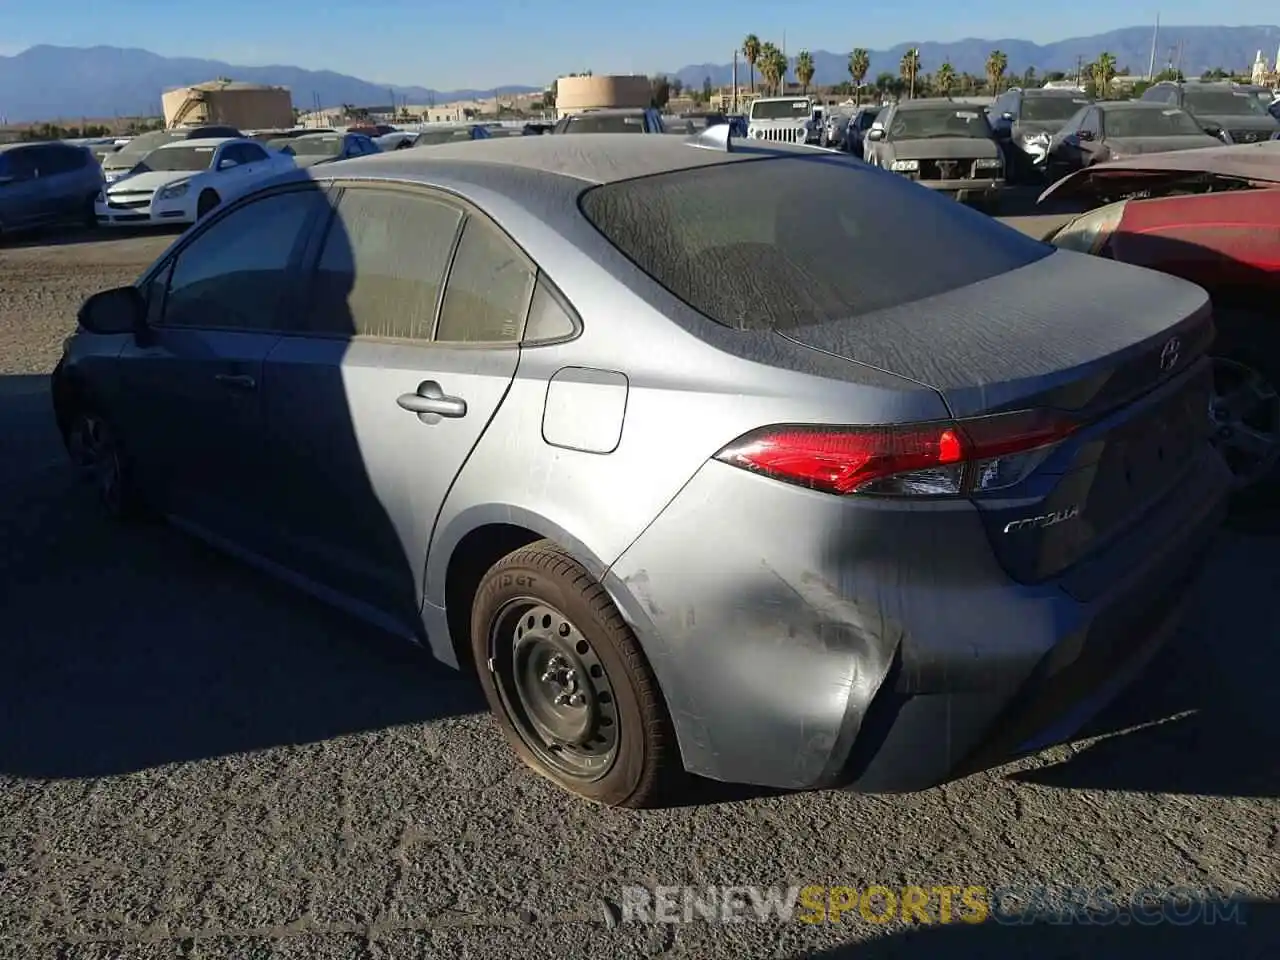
{"points": [[1169, 354], [1043, 521]]}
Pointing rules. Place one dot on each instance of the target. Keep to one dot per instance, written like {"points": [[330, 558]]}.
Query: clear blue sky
{"points": [[448, 44]]}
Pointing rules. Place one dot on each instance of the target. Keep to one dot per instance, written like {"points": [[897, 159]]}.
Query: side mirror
{"points": [[228, 163], [1007, 116], [875, 134], [122, 310], [1085, 136]]}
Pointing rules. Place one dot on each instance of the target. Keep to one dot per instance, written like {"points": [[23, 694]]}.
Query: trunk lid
{"points": [[1119, 348]]}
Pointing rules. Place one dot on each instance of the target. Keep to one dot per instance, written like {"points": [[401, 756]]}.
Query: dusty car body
{"points": [[939, 144], [1102, 132], [1024, 121], [782, 120], [1210, 217], [1220, 107]]}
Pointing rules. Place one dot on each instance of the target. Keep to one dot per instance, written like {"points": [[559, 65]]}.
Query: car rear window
{"points": [[767, 244]]}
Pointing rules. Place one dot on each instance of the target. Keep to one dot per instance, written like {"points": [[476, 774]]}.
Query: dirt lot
{"points": [[196, 762]]}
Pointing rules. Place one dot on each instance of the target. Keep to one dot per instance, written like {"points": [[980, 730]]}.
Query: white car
{"points": [[182, 181]]}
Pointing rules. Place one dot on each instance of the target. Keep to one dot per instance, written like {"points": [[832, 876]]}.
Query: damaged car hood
{"points": [[1255, 162]]}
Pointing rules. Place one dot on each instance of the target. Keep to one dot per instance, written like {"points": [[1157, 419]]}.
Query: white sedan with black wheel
{"points": [[180, 182]]}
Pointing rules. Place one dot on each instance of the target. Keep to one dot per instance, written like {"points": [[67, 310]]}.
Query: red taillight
{"points": [[942, 458]]}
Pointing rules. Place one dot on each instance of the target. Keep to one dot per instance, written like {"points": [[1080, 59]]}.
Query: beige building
{"points": [[574, 94], [249, 106]]}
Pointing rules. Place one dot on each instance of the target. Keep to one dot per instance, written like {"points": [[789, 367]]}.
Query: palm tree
{"points": [[997, 64], [945, 79], [767, 59], [909, 69], [804, 69], [1104, 71], [751, 53], [780, 66], [859, 67]]}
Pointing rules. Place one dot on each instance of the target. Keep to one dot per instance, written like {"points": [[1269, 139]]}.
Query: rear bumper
{"points": [[804, 641]]}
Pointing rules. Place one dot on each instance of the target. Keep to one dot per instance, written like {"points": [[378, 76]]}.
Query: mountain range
{"points": [[1202, 48], [48, 82]]}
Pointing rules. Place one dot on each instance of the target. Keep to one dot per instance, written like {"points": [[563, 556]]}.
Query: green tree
{"points": [[909, 69], [1103, 72], [751, 48], [659, 92], [945, 79], [997, 64], [804, 69], [859, 67]]}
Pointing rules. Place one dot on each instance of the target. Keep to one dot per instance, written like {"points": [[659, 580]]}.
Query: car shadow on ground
{"points": [[1185, 928], [124, 648]]}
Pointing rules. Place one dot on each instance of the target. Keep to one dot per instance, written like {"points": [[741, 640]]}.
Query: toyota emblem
{"points": [[1169, 354]]}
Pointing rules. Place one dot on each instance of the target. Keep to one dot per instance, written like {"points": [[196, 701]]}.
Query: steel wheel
{"points": [[555, 689], [96, 454], [1245, 414]]}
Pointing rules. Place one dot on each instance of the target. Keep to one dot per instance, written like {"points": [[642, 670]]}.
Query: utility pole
{"points": [[735, 80], [786, 64], [1079, 70], [1155, 39]]}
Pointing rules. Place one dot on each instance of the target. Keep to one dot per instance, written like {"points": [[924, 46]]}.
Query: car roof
{"points": [[934, 102], [1050, 92], [608, 111], [593, 158], [199, 142], [322, 135], [1133, 105]]}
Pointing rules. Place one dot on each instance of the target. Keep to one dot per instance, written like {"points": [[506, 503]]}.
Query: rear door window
{"points": [[383, 265], [789, 255]]}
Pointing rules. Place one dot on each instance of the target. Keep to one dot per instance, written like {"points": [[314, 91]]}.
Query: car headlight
{"points": [[173, 191], [1088, 233], [988, 163], [906, 166]]}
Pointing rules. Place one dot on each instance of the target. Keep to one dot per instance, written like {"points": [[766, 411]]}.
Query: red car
{"points": [[1212, 217]]}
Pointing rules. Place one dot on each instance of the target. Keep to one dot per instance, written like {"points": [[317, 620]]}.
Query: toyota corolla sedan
{"points": [[692, 485]]}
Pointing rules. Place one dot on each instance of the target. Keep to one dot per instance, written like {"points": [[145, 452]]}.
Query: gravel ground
{"points": [[196, 762]]}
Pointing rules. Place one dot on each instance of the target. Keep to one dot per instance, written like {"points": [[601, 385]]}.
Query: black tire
{"points": [[89, 219], [97, 452], [1247, 347], [538, 612], [204, 206]]}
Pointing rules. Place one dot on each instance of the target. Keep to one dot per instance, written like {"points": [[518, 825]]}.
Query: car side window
{"points": [[24, 163], [58, 159], [235, 274], [551, 319], [250, 153], [382, 266], [486, 298], [1091, 123]]}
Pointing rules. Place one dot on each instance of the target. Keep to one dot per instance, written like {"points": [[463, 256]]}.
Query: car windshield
{"points": [[780, 110], [1222, 104], [139, 147], [319, 147], [431, 137], [606, 123], [172, 159], [929, 122], [1047, 109], [791, 258], [1169, 122]]}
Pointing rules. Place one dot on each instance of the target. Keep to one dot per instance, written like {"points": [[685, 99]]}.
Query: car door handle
{"points": [[430, 398], [236, 381]]}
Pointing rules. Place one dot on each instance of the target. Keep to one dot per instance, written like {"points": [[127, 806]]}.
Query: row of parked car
{"points": [[176, 176], [1042, 135]]}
